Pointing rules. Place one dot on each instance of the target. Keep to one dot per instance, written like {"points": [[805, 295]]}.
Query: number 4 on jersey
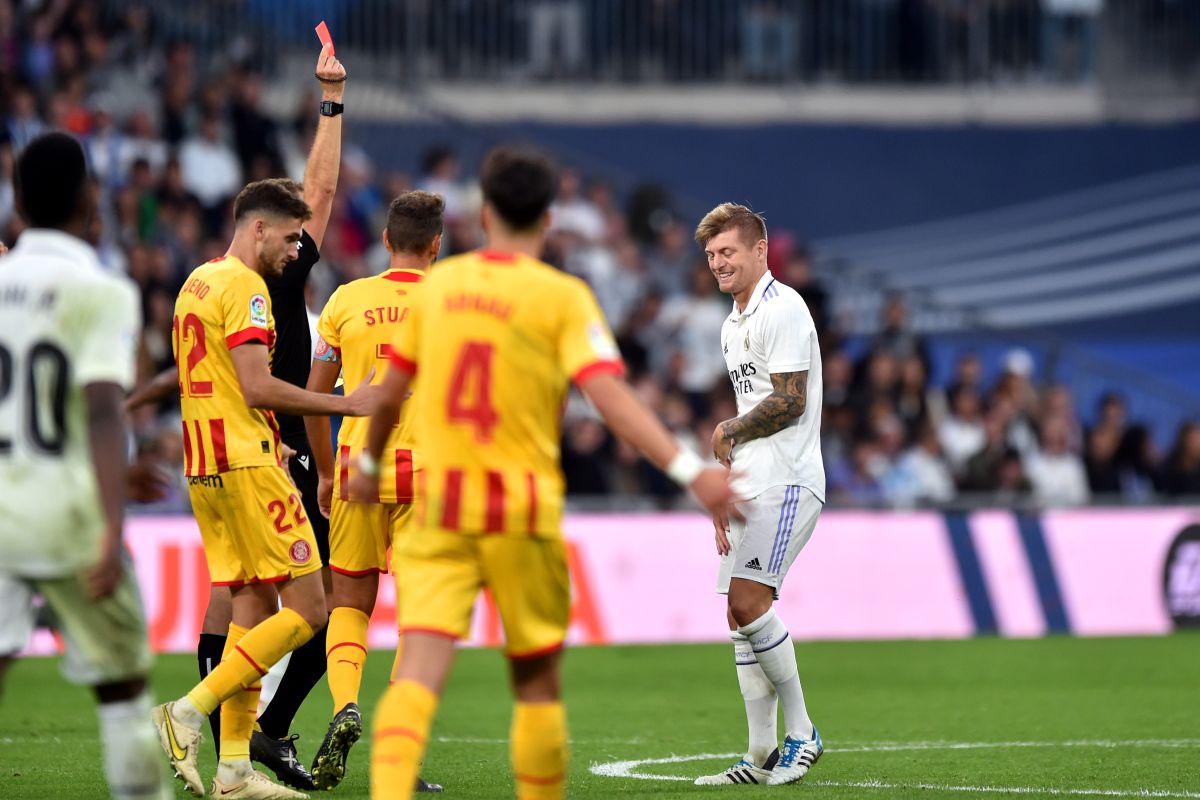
{"points": [[470, 398]]}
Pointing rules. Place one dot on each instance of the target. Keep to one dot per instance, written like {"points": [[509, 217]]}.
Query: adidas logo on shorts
{"points": [[753, 564]]}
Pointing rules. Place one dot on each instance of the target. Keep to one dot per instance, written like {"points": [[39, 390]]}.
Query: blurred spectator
{"points": [[961, 433], [1181, 472], [770, 35], [693, 325], [982, 471], [209, 167], [1057, 475], [1103, 472], [574, 213], [1137, 460], [968, 372], [556, 43], [24, 123], [672, 258], [920, 475], [1068, 38], [585, 458], [440, 174], [895, 337]]}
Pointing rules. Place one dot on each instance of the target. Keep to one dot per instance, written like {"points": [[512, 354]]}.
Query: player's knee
{"points": [[747, 606], [536, 680]]}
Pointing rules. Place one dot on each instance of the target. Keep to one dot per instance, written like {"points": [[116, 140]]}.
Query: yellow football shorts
{"points": [[439, 574], [360, 535], [253, 527]]}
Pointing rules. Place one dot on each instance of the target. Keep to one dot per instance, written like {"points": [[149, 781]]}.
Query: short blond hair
{"points": [[727, 216]]}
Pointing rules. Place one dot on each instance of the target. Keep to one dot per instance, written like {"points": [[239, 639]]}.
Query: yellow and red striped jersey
{"points": [[357, 327], [495, 340], [222, 305]]}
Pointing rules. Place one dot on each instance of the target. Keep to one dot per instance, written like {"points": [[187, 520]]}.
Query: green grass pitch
{"points": [[1054, 717]]}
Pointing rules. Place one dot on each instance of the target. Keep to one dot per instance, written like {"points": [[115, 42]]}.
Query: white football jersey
{"points": [[64, 324], [775, 334]]}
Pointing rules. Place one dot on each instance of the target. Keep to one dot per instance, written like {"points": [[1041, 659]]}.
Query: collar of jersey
{"points": [[36, 241], [497, 256], [404, 275], [756, 296]]}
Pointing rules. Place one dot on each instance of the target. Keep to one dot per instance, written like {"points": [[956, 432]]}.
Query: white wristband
{"points": [[684, 467], [367, 465]]}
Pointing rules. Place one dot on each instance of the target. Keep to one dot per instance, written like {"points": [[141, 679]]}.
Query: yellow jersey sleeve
{"points": [[585, 344], [246, 310]]}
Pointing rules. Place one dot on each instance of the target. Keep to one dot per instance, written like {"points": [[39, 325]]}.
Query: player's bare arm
{"points": [[324, 160], [785, 403], [322, 378], [163, 385], [106, 440], [263, 390], [625, 416], [392, 392]]}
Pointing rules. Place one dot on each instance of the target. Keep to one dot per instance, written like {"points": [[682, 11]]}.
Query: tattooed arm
{"points": [[777, 410]]}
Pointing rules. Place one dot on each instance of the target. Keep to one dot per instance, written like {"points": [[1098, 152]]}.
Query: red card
{"points": [[323, 35]]}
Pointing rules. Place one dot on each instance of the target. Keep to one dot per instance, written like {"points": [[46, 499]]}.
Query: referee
{"points": [[272, 746]]}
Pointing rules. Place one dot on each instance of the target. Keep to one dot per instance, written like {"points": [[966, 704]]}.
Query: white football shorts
{"points": [[778, 524], [105, 640]]}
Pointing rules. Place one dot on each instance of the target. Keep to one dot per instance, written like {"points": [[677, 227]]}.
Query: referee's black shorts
{"points": [[304, 472]]}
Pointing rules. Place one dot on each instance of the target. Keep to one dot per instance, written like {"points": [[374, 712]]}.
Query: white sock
{"points": [[776, 655], [132, 757], [186, 711], [761, 701], [231, 772]]}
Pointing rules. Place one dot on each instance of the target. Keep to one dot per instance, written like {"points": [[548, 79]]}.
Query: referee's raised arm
{"points": [[324, 160]]}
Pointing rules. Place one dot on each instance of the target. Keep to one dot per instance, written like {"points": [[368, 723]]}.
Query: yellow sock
{"points": [[250, 658], [345, 654], [237, 720], [538, 745], [402, 721], [396, 662]]}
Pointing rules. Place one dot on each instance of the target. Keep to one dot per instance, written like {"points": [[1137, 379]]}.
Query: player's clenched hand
{"points": [[721, 526], [104, 577], [325, 495], [331, 74], [722, 446], [712, 489]]}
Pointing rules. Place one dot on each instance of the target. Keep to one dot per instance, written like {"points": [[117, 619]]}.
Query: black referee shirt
{"points": [[293, 341]]}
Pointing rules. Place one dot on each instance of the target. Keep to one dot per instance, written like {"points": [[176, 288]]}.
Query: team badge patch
{"points": [[300, 552], [258, 311], [324, 352], [602, 341]]}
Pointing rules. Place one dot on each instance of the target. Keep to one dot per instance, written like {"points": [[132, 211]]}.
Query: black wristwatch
{"points": [[331, 109]]}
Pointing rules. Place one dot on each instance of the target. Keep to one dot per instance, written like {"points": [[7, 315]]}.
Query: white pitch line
{"points": [[1039, 790], [626, 769], [483, 740]]}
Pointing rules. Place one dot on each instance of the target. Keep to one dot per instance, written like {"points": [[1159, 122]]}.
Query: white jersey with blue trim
{"points": [[775, 334], [65, 323]]}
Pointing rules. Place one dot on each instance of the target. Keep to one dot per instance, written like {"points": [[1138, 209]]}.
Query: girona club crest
{"points": [[301, 552]]}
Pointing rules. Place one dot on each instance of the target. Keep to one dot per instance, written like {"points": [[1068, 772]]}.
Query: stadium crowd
{"points": [[167, 167]]}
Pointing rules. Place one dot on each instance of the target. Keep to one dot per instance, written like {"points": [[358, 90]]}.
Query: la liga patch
{"points": [[258, 311]]}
